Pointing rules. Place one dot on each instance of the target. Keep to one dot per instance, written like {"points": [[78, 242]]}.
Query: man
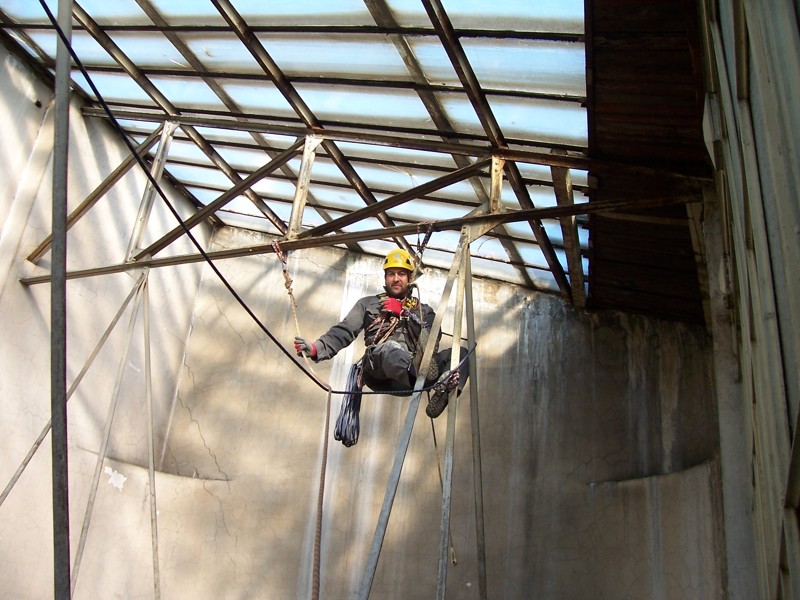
{"points": [[396, 327]]}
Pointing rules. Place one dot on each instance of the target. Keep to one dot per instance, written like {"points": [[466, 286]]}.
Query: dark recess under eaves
{"points": [[645, 99]]}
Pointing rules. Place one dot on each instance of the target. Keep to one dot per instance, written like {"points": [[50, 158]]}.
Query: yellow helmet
{"points": [[399, 259]]}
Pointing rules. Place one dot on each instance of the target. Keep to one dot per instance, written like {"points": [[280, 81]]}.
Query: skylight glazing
{"points": [[401, 104]]}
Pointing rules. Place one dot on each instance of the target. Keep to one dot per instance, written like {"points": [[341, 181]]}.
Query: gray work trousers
{"points": [[387, 367]]}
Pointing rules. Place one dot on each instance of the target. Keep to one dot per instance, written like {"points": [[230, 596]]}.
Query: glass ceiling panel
{"points": [[538, 120], [372, 106], [552, 122], [336, 56], [528, 66], [306, 12], [221, 52], [200, 176], [102, 11], [188, 93], [87, 49], [509, 65], [147, 51], [188, 12], [187, 151], [114, 87], [426, 210], [259, 97], [561, 16]]}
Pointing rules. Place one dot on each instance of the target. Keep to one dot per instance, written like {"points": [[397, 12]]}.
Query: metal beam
{"points": [[398, 199], [562, 183], [133, 71], [221, 201], [458, 58], [301, 189], [477, 464], [570, 161], [550, 212], [156, 172], [321, 29], [58, 313]]}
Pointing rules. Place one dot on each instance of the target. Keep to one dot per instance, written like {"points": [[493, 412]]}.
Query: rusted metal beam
{"points": [[562, 183], [221, 201], [99, 191], [398, 199], [575, 161], [133, 71], [458, 58], [322, 29], [550, 212]]}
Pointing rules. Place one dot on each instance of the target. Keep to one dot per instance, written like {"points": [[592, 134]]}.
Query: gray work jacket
{"points": [[362, 315]]}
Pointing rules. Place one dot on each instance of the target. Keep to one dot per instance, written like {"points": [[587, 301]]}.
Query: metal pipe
{"points": [[58, 312], [146, 205], [477, 469], [101, 454], [151, 462], [447, 480]]}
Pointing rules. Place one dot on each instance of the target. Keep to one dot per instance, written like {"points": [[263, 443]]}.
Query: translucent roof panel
{"points": [[565, 16], [336, 55], [365, 105], [511, 65], [535, 120], [393, 109]]}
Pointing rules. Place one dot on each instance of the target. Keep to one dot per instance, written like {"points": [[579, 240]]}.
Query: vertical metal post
{"points": [[447, 485], [497, 184], [151, 463], [58, 313], [146, 206], [477, 469], [303, 181]]}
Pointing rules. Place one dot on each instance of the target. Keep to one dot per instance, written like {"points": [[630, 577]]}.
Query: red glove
{"points": [[303, 346], [392, 305]]}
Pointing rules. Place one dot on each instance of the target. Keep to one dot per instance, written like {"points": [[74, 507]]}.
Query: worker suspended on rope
{"points": [[396, 326]]}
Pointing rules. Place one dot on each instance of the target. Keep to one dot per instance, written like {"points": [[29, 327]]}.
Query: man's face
{"points": [[396, 281]]}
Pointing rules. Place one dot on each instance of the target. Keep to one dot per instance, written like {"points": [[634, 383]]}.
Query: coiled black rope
{"points": [[347, 423]]}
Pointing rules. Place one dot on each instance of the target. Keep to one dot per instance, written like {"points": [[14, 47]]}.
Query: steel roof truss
{"points": [[107, 183]]}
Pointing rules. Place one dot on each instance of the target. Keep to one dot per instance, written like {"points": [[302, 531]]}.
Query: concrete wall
{"points": [[598, 431], [598, 443], [99, 238]]}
